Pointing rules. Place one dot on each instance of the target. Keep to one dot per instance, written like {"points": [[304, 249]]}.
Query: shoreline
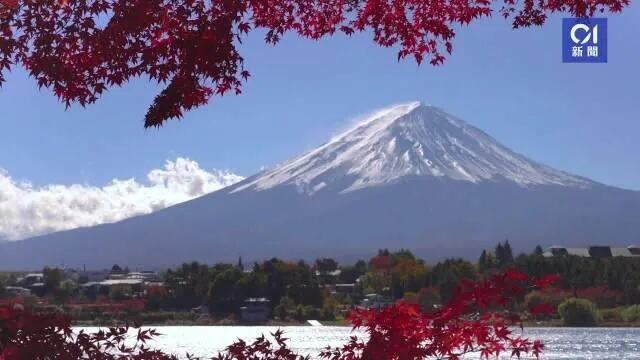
{"points": [[284, 324]]}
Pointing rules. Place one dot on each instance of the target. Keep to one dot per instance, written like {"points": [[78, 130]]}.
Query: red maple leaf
{"points": [[12, 4], [193, 45]]}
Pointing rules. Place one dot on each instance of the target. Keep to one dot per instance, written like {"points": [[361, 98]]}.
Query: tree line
{"points": [[301, 290]]}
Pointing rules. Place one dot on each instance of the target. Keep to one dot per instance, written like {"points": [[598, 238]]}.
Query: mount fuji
{"points": [[408, 176], [408, 140]]}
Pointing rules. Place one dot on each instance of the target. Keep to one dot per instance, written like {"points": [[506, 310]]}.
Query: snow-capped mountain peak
{"points": [[408, 140]]}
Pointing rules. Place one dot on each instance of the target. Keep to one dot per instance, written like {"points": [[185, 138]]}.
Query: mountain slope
{"points": [[408, 176], [410, 139]]}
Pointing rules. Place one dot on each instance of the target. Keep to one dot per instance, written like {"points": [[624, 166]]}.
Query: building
{"points": [[342, 289], [34, 282], [145, 276], [124, 287], [255, 310], [375, 301], [328, 277], [595, 252], [16, 291], [30, 279]]}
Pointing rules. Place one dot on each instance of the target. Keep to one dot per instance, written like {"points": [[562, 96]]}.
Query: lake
{"points": [[561, 343]]}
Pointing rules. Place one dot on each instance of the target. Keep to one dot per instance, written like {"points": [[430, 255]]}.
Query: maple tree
{"points": [[478, 319], [79, 48]]}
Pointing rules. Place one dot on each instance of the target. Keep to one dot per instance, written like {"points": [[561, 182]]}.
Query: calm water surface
{"points": [[561, 343]]}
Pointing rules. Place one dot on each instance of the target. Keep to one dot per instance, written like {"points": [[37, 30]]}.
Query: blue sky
{"points": [[582, 118]]}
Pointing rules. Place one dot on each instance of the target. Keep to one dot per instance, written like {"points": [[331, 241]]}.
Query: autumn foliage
{"points": [[79, 48], [478, 319], [27, 335]]}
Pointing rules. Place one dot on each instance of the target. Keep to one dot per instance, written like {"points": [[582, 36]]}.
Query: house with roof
{"points": [[594, 252], [255, 310], [34, 282], [375, 301], [16, 291], [126, 287], [328, 276]]}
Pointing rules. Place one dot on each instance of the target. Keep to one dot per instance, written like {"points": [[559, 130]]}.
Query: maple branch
{"points": [[11, 4], [193, 44]]}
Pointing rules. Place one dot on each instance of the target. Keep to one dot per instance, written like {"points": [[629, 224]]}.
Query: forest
{"points": [[325, 290]]}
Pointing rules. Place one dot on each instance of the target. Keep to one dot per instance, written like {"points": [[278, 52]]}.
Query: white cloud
{"points": [[27, 211]]}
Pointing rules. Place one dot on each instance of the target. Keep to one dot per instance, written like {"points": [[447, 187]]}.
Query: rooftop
{"points": [[593, 251]]}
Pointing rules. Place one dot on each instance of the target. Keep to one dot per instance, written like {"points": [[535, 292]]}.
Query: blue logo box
{"points": [[584, 40]]}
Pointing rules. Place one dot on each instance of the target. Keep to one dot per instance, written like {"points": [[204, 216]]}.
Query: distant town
{"points": [[282, 292]]}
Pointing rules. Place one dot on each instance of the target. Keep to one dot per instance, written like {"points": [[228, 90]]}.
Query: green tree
{"points": [[482, 261], [375, 282], [295, 280], [499, 251], [306, 312], [578, 312], [329, 308], [631, 290], [402, 255], [52, 279], [447, 275], [3, 284], [538, 251], [361, 266], [504, 254], [631, 314], [383, 252], [326, 265], [222, 296], [251, 285], [189, 284], [304, 288], [284, 308], [407, 274], [65, 291], [508, 253], [349, 274], [487, 261]]}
